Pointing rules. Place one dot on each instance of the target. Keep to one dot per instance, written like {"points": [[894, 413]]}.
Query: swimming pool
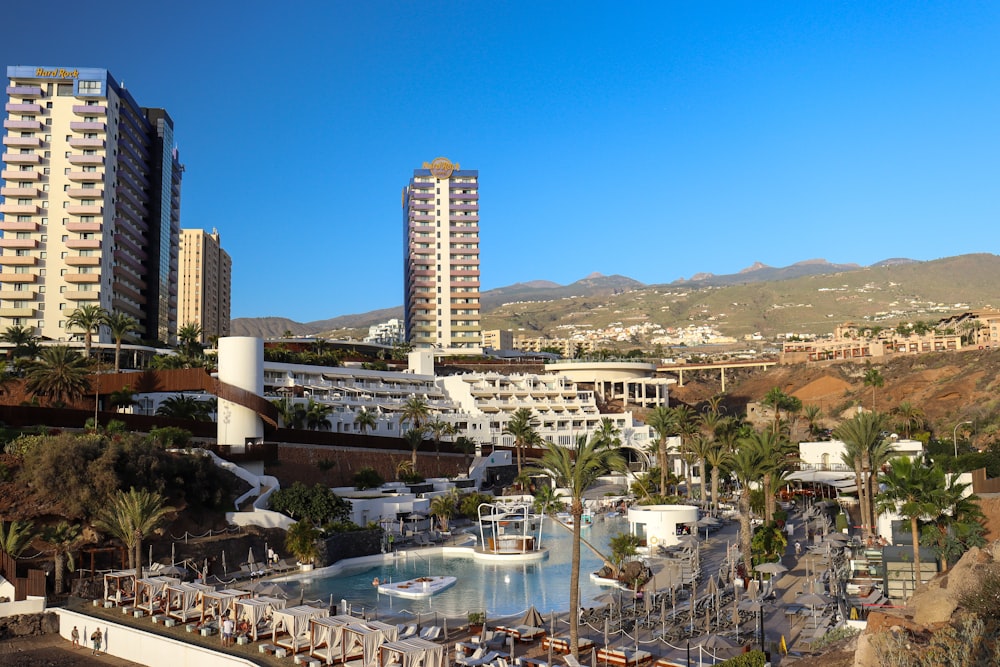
{"points": [[502, 589]]}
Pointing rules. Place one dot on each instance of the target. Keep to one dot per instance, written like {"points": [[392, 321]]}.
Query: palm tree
{"points": [[415, 411], [775, 451], [700, 446], [443, 507], [121, 326], [59, 374], [778, 400], [64, 538], [366, 420], [719, 457], [189, 340], [318, 415], [547, 500], [414, 437], [186, 407], [577, 474], [520, 426], [467, 446], [300, 540], [16, 536], [910, 417], [915, 492], [122, 398], [959, 524], [609, 433], [748, 466], [23, 339], [440, 429], [860, 435], [687, 426], [813, 414], [873, 379], [131, 516], [89, 318], [663, 422]]}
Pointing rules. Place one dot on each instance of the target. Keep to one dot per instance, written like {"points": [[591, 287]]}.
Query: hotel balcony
{"points": [[12, 277], [124, 258], [88, 126], [19, 209], [421, 195], [17, 312], [20, 244], [83, 244], [19, 192], [89, 110], [14, 226], [9, 295], [77, 260], [23, 108], [81, 295], [22, 125], [419, 185], [85, 210], [421, 218], [82, 278], [77, 142], [421, 207], [85, 176], [22, 142], [465, 207], [467, 196], [83, 227], [463, 218], [15, 175], [85, 193], [24, 91], [22, 158], [86, 159], [14, 260]]}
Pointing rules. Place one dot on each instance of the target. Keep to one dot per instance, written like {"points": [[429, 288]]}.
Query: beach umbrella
{"points": [[736, 618], [532, 618], [444, 627], [606, 633], [812, 601], [204, 572], [771, 568], [593, 657], [250, 559], [225, 570], [647, 602], [173, 553], [150, 561], [552, 629], [714, 642]]}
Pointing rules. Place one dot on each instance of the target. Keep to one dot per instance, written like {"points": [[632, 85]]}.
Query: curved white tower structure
{"points": [[241, 364]]}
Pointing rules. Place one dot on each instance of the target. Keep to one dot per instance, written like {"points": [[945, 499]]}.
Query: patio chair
{"points": [[431, 633]]}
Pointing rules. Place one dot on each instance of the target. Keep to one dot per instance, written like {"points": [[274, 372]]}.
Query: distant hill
{"points": [[810, 296]]}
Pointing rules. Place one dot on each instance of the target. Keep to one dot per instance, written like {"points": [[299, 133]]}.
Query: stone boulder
{"points": [[934, 603]]}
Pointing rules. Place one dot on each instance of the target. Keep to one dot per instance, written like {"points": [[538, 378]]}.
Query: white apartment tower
{"points": [[441, 257], [91, 204], [205, 283]]}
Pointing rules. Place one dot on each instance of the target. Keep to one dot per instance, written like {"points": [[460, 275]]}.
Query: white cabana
{"points": [[290, 629], [326, 635], [119, 587], [150, 591], [259, 612], [217, 603], [183, 601], [413, 652], [361, 641]]}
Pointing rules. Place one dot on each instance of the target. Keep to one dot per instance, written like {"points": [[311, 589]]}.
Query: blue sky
{"points": [[653, 140]]}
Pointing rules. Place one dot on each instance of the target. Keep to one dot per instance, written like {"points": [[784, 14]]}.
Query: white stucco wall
{"points": [[659, 522]]}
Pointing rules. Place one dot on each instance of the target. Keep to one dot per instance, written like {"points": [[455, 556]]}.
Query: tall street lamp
{"points": [[954, 436]]}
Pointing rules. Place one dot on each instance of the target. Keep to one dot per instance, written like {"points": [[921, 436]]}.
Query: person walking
{"points": [[75, 637], [96, 637], [798, 548]]}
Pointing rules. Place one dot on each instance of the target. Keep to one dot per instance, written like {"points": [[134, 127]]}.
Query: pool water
{"points": [[501, 589]]}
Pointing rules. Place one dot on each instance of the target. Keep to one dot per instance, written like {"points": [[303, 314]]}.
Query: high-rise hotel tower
{"points": [[205, 282], [91, 204], [441, 257]]}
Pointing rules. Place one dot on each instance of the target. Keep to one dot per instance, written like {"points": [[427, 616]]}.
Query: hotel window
{"points": [[64, 90], [90, 87]]}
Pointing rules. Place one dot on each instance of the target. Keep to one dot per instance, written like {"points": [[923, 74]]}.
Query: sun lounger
{"points": [[431, 633], [407, 631], [623, 657], [523, 633], [561, 644]]}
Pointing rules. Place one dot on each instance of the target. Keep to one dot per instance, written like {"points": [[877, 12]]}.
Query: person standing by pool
{"points": [[96, 637], [75, 637]]}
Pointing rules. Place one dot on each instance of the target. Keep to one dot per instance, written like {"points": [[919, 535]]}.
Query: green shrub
{"points": [[367, 478], [171, 437], [751, 659]]}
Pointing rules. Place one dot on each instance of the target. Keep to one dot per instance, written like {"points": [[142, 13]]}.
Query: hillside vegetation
{"points": [[818, 298]]}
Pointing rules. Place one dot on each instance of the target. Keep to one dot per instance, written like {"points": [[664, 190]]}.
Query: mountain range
{"points": [[808, 296]]}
